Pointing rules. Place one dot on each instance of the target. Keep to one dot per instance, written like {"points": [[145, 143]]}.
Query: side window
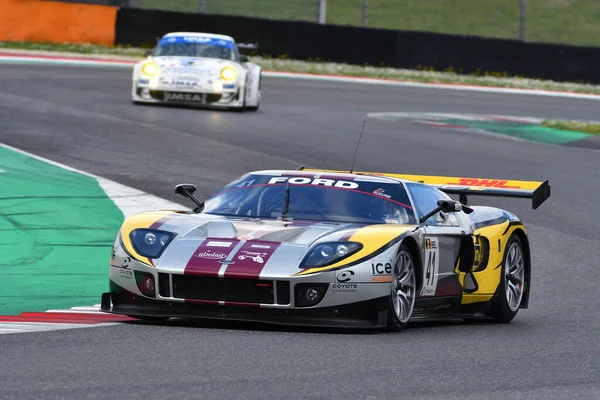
{"points": [[425, 199]]}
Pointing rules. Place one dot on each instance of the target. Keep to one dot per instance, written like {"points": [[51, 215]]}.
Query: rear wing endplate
{"points": [[538, 192]]}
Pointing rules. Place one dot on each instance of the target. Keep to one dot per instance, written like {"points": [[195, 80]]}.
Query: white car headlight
{"points": [[228, 74], [150, 69]]}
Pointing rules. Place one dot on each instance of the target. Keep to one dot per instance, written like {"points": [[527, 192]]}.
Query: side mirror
{"points": [[243, 58], [447, 206], [148, 53], [185, 189]]}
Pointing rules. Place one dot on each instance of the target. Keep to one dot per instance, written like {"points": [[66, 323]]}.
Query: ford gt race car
{"points": [[327, 248], [198, 69]]}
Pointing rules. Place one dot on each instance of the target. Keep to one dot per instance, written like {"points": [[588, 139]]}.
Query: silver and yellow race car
{"points": [[328, 248], [202, 69]]}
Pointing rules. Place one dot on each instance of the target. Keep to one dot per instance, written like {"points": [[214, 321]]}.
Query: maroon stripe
{"points": [[348, 234], [251, 259], [213, 302], [240, 303], [206, 258], [160, 222]]}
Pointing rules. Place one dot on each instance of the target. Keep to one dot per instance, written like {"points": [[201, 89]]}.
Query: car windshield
{"points": [[322, 199], [196, 47]]}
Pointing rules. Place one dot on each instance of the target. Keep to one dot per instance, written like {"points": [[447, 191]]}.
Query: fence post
{"points": [[321, 11], [203, 6], [522, 20], [365, 7]]}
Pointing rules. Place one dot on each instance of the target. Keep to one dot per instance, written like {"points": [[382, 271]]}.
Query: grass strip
{"points": [[592, 128], [316, 66]]}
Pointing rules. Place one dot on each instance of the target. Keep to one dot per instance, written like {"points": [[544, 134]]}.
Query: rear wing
{"points": [[247, 47], [538, 192]]}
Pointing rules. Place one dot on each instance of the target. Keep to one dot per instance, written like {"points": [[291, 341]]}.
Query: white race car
{"points": [[198, 69]]}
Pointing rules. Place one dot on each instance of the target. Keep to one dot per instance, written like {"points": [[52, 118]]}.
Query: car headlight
{"points": [[150, 242], [330, 252], [228, 73], [150, 69]]}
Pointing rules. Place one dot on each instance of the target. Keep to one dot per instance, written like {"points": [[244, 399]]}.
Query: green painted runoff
{"points": [[56, 232]]}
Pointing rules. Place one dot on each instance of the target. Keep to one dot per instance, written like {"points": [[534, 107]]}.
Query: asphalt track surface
{"points": [[83, 118]]}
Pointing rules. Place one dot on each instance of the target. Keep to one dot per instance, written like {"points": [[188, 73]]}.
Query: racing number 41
{"points": [[430, 270]]}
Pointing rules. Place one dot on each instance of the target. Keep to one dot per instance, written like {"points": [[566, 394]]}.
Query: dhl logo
{"points": [[495, 183]]}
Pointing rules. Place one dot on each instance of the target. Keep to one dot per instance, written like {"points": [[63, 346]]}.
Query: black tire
{"points": [[394, 323], [500, 311]]}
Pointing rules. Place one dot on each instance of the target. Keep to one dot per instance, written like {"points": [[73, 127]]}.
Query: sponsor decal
{"points": [[256, 257], [430, 272], [495, 183], [381, 272], [113, 254], [344, 276], [250, 262], [218, 244], [210, 255], [197, 39], [186, 83], [125, 274], [260, 246], [245, 238], [314, 181], [170, 96], [144, 81], [381, 192], [344, 287], [245, 183]]}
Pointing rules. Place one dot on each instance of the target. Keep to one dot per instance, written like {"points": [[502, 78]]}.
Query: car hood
{"points": [[249, 247]]}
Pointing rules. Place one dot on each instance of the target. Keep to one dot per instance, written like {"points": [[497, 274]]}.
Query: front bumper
{"points": [[166, 95], [365, 314]]}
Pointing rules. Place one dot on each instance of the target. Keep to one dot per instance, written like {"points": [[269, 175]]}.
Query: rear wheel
{"points": [[403, 290], [511, 288]]}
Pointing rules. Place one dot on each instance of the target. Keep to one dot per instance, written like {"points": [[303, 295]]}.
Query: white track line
{"points": [[27, 327], [127, 199]]}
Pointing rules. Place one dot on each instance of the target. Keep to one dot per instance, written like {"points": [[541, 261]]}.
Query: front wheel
{"points": [[512, 281], [403, 290]]}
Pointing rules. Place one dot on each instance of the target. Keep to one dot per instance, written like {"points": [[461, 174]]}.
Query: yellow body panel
{"points": [[489, 279], [372, 237], [144, 220]]}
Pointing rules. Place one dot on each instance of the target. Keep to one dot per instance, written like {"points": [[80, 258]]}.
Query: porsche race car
{"points": [[328, 248], [198, 69]]}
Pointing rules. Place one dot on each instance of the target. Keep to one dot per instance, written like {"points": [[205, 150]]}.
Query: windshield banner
{"points": [[197, 40]]}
